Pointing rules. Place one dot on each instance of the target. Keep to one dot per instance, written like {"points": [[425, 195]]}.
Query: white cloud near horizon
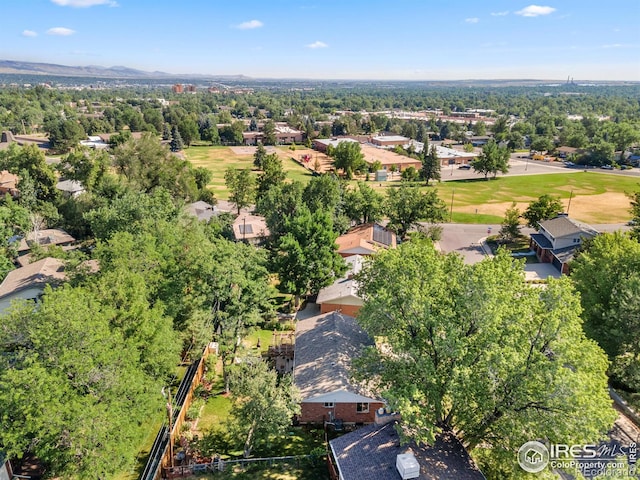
{"points": [[618, 45], [500, 14], [251, 24], [472, 20], [535, 11], [60, 31], [29, 33], [84, 3], [317, 44]]}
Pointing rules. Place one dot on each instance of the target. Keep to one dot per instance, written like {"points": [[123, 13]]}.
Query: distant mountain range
{"points": [[31, 68]]}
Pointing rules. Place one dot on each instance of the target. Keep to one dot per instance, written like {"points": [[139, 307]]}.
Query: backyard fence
{"points": [[160, 454], [243, 463]]}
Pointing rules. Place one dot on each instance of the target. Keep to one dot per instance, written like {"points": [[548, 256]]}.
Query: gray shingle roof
{"points": [[325, 346], [562, 226], [370, 453]]}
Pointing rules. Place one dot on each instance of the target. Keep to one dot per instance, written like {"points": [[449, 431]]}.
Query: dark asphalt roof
{"points": [[325, 346], [370, 453]]}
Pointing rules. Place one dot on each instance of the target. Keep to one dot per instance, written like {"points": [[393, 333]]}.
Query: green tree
{"points": [[541, 143], [259, 155], [189, 131], [326, 192], [147, 164], [406, 206], [510, 229], [272, 174], [500, 129], [306, 257], [410, 174], [431, 165], [64, 134], [241, 185], [31, 159], [279, 204], [85, 166], [176, 143], [624, 134], [607, 275], [14, 220], [635, 213], [493, 159], [263, 405], [71, 388], [545, 208], [600, 153], [269, 132], [363, 204], [130, 212], [461, 356], [348, 157]]}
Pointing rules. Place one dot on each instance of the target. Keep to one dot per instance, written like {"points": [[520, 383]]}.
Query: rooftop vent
{"points": [[407, 465]]}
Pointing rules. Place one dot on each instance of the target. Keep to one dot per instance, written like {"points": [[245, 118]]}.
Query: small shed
{"points": [[381, 175]]}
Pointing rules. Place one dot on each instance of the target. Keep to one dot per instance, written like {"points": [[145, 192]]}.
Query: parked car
{"points": [[569, 164], [465, 167], [607, 167]]}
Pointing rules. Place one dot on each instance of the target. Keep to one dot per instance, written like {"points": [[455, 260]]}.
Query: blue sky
{"points": [[348, 39]]}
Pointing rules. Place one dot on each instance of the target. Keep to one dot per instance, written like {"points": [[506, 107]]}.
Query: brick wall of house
{"points": [[318, 413]]}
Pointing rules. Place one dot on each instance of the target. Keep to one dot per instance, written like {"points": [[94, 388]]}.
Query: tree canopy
{"points": [[545, 208], [461, 355], [348, 157], [493, 159], [607, 275], [406, 206]]}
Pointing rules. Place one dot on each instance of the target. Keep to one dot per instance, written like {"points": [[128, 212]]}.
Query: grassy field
{"points": [[218, 159], [595, 197]]}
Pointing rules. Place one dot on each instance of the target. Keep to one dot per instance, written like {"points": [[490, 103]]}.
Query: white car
{"points": [[607, 167]]}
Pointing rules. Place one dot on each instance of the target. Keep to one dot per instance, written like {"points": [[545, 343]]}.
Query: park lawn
{"points": [[217, 159], [586, 190]]}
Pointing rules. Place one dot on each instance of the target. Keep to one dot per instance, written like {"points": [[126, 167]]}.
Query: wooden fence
{"points": [[161, 453]]}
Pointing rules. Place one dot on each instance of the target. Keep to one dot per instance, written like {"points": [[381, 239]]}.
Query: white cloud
{"points": [[618, 45], [84, 3], [317, 44], [60, 31], [535, 11], [500, 14], [251, 24], [29, 33], [472, 20]]}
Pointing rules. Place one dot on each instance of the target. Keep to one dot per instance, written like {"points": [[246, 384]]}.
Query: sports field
{"points": [[595, 197]]}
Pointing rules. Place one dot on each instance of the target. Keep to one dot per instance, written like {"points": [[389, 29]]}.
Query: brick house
{"points": [[558, 239], [325, 345]]}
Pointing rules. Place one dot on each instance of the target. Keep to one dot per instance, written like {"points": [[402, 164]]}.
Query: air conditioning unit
{"points": [[407, 465]]}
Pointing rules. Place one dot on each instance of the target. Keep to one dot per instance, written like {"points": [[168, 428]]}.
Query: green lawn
{"points": [[215, 412], [218, 159], [492, 197]]}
